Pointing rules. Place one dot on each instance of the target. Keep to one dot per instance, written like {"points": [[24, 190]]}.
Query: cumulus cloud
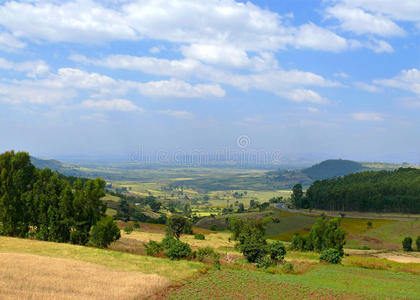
{"points": [[9, 43], [408, 80], [33, 68], [112, 105], [304, 95], [180, 89], [368, 116], [69, 21], [179, 114], [368, 87], [226, 23], [357, 20]]}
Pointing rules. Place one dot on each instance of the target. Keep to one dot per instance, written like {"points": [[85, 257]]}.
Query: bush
{"points": [[199, 236], [128, 229], [168, 241], [136, 225], [264, 262], [153, 248], [253, 249], [78, 237], [104, 233], [288, 268], [332, 256], [277, 251], [213, 227], [300, 243], [178, 250], [418, 243], [205, 252], [406, 243]]}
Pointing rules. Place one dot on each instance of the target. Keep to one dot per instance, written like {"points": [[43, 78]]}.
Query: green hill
{"points": [[332, 168], [56, 165]]}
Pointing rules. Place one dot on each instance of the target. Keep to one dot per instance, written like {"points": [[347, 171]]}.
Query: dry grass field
{"points": [[26, 276]]}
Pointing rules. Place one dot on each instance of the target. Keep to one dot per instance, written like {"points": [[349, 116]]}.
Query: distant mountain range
{"points": [[272, 180]]}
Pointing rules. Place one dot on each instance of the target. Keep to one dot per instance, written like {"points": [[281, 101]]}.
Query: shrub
{"points": [[104, 233], [406, 243], [168, 241], [199, 236], [178, 250], [136, 225], [332, 256], [288, 268], [277, 251], [364, 248], [264, 262], [128, 229], [418, 243], [153, 248], [300, 243], [213, 227], [78, 237], [369, 224], [253, 249], [205, 252]]}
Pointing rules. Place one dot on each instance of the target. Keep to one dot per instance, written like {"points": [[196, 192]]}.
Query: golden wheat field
{"points": [[26, 276]]}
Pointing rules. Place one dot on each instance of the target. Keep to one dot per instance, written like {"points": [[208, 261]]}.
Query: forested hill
{"points": [[370, 191], [332, 168], [57, 166]]}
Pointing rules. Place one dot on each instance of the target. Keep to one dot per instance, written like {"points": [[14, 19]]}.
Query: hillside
{"points": [[332, 168], [56, 165]]}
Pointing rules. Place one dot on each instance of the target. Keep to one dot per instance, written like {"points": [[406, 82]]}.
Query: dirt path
{"points": [[399, 257]]}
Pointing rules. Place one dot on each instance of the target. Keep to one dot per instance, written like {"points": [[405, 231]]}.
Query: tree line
{"points": [[370, 191], [44, 205]]}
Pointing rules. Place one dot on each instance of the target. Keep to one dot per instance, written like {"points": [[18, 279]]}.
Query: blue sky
{"points": [[338, 78]]}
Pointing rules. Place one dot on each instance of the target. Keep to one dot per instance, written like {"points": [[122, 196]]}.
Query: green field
{"points": [[325, 282]]}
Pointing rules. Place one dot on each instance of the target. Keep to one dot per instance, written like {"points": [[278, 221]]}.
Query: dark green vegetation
{"points": [[372, 191], [40, 204], [331, 255], [332, 168], [324, 235], [324, 282], [407, 244]]}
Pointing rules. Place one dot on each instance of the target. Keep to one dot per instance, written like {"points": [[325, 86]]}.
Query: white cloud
{"points": [[21, 93], [179, 114], [313, 110], [408, 80], [368, 87], [360, 22], [314, 37], [304, 95], [112, 105], [378, 46], [368, 116], [33, 68], [220, 23], [402, 10], [70, 21], [9, 43], [341, 75], [179, 89]]}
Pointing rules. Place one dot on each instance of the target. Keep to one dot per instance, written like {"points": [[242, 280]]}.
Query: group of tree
{"points": [[407, 243], [172, 247], [44, 205], [371, 191], [131, 207], [325, 234], [250, 235]]}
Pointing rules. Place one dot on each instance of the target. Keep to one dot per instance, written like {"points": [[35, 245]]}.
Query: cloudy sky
{"points": [[336, 77]]}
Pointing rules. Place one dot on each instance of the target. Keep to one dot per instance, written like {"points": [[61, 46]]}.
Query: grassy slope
{"points": [[173, 270], [325, 282]]}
